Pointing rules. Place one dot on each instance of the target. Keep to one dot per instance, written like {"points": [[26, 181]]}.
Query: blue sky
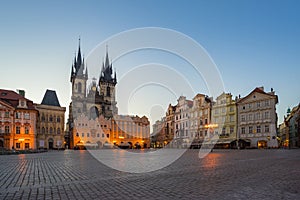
{"points": [[253, 43]]}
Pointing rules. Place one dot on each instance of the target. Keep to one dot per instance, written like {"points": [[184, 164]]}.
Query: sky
{"points": [[252, 43]]}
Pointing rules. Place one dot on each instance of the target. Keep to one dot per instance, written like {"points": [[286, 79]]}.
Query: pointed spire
{"points": [[115, 76], [72, 73], [86, 72], [79, 59], [106, 59]]}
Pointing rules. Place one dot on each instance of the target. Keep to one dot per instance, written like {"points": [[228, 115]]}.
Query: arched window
{"points": [[94, 113], [50, 118], [58, 119], [79, 87], [108, 91]]}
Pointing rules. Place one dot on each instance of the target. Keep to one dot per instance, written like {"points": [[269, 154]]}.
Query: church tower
{"points": [[79, 77], [107, 84]]}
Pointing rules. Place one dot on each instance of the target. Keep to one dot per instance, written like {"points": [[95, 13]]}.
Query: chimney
{"points": [[21, 92]]}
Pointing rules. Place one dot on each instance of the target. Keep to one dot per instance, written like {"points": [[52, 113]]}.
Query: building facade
{"points": [[200, 119], [17, 121], [182, 123], [224, 117], [292, 122], [93, 114], [257, 119], [50, 122]]}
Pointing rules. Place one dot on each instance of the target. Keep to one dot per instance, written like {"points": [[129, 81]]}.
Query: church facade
{"points": [[93, 113]]}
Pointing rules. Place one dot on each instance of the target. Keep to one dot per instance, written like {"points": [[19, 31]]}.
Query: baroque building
{"points": [[224, 117], [257, 119], [17, 121], [50, 122]]}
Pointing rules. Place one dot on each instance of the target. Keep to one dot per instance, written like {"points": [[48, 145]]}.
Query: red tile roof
{"points": [[12, 98]]}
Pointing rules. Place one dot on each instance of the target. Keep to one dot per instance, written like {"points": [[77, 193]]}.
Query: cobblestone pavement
{"points": [[223, 174]]}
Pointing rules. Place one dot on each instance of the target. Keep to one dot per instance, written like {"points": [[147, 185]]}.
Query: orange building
{"points": [[17, 121]]}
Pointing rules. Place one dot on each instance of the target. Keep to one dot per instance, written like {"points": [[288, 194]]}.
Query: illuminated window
{"points": [[26, 145]]}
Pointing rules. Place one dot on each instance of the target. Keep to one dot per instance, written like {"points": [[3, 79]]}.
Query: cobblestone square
{"points": [[222, 174]]}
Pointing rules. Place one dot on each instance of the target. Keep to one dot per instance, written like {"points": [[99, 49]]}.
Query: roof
{"points": [[258, 90], [50, 98], [12, 98]]}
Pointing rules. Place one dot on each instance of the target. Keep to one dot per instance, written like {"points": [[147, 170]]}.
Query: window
{"points": [[250, 129], [43, 118], [242, 118], [18, 146], [205, 132], [58, 119], [223, 110], [26, 116], [51, 118], [18, 115], [267, 103], [79, 87], [231, 108], [98, 135], [258, 104], [267, 129], [206, 121], [257, 116], [223, 130], [243, 130], [88, 135], [82, 134], [18, 130], [6, 115], [231, 129], [51, 130], [249, 105], [43, 130], [258, 129], [107, 135], [7, 129], [58, 130], [250, 117], [26, 130], [26, 145], [267, 115]]}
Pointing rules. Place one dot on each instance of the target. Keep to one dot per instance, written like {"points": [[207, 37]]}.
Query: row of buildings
{"points": [[93, 119], [27, 125], [289, 129], [248, 121]]}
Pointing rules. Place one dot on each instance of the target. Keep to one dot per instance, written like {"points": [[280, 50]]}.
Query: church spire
{"points": [[79, 59]]}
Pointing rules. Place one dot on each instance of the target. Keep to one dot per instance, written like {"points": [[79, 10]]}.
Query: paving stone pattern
{"points": [[223, 174]]}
